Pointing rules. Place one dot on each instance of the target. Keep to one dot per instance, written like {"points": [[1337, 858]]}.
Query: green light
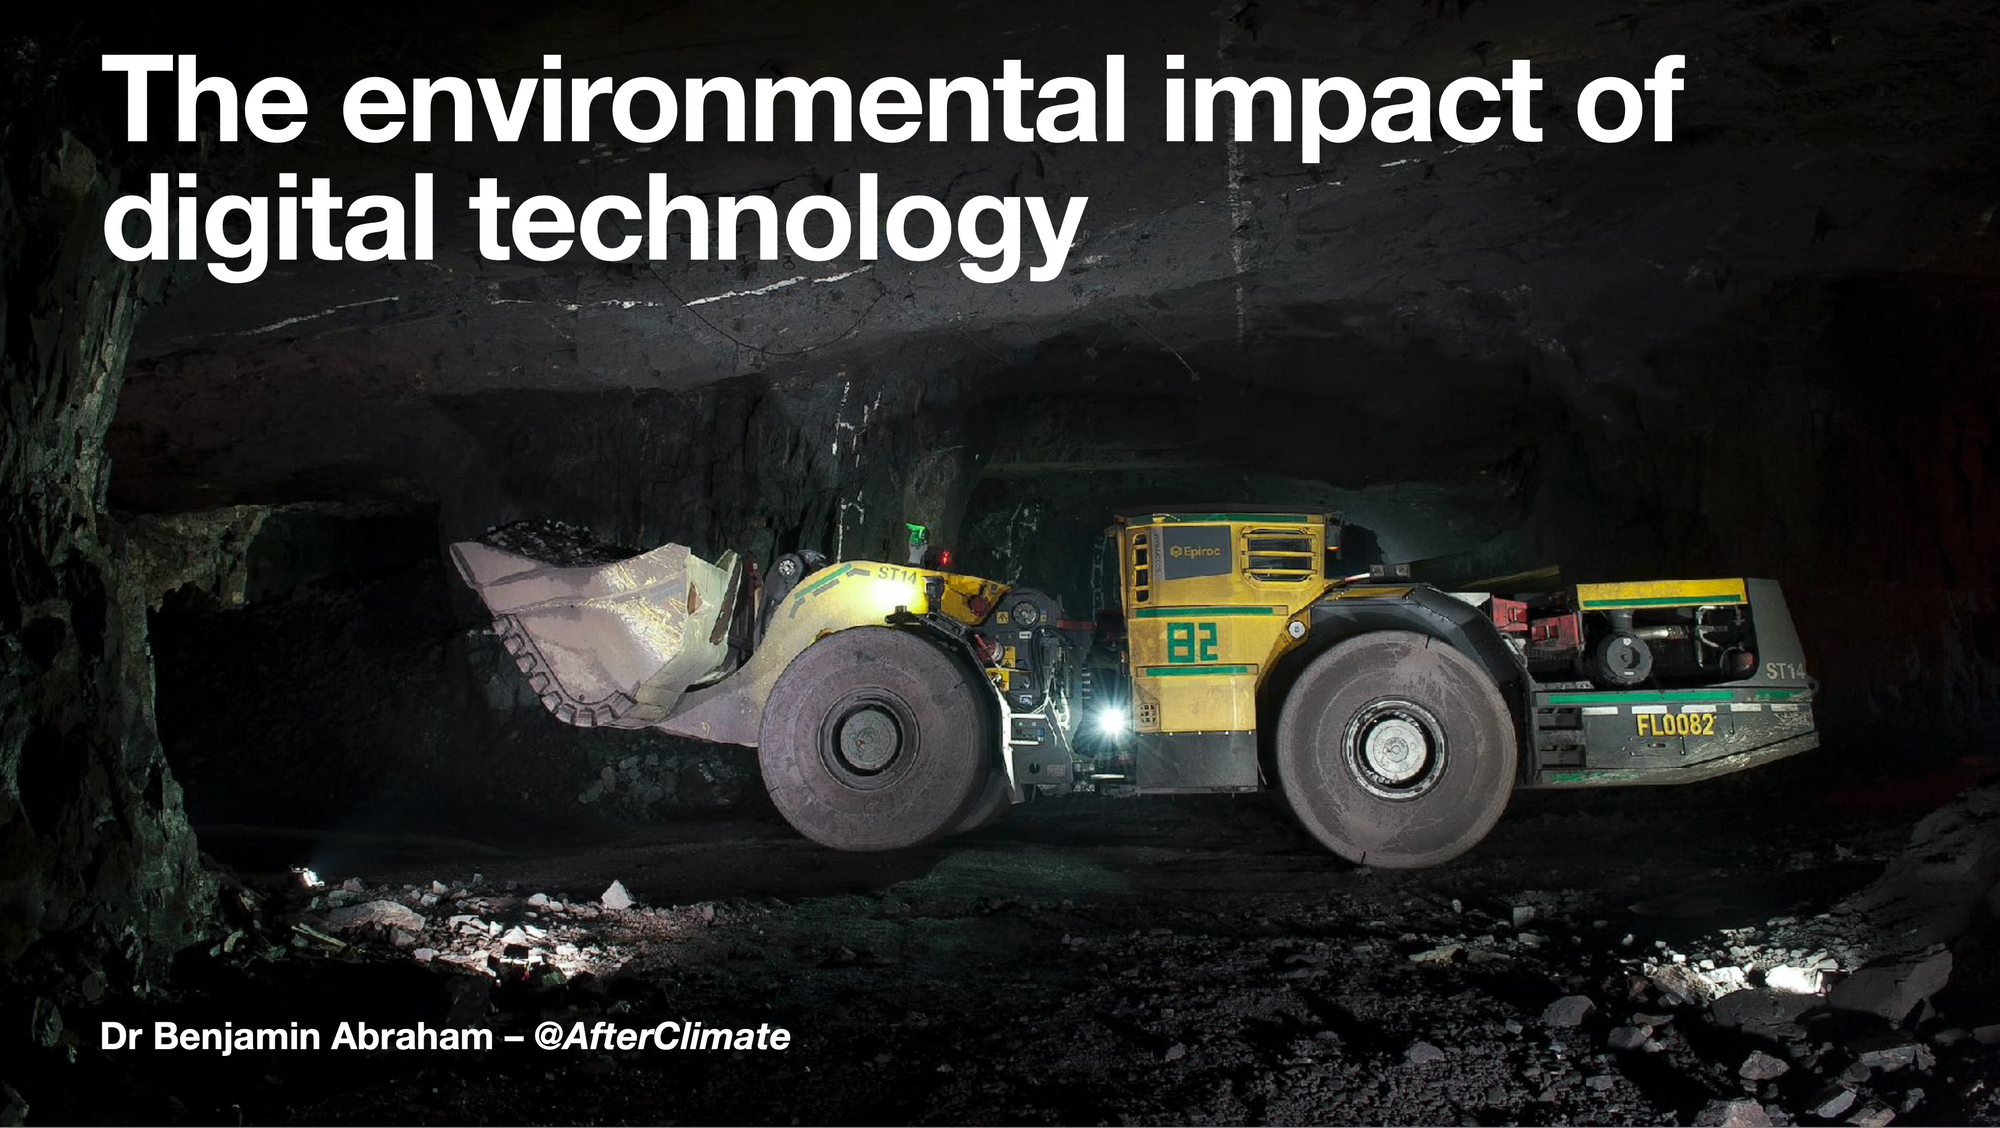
{"points": [[919, 534]]}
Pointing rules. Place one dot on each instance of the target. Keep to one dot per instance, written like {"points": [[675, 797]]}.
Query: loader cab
{"points": [[1211, 598]]}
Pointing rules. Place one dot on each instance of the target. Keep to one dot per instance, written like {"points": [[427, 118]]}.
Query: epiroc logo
{"points": [[1200, 551]]}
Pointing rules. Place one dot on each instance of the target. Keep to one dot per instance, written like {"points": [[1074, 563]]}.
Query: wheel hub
{"points": [[1395, 749], [869, 739]]}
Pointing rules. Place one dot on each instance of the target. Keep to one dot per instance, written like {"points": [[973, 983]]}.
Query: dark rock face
{"points": [[370, 698], [1761, 349], [1764, 349], [93, 844]]}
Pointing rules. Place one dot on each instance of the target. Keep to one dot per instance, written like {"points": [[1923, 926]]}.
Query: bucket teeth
{"points": [[593, 640]]}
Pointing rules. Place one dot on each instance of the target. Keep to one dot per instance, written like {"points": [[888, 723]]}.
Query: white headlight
{"points": [[1112, 721], [891, 594]]}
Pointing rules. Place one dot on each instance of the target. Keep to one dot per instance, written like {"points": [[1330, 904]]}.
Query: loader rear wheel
{"points": [[875, 739], [1395, 750]]}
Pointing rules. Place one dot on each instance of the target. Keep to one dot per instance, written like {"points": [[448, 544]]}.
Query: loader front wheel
{"points": [[995, 796], [1395, 750], [875, 739]]}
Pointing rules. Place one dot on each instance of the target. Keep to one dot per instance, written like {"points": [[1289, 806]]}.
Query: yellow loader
{"points": [[892, 704]]}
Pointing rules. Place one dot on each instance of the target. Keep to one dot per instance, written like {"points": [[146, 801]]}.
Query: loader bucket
{"points": [[612, 645]]}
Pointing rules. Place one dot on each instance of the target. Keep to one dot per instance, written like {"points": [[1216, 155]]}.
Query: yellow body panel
{"points": [[855, 593], [1659, 593], [1210, 600], [862, 592]]}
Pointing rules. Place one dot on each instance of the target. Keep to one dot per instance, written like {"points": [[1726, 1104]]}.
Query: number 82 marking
{"points": [[1188, 643]]}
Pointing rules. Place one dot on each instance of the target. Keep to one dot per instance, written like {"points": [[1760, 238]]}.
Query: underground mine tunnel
{"points": [[281, 791]]}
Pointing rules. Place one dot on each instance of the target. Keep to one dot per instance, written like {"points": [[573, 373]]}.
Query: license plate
{"points": [[1675, 724]]}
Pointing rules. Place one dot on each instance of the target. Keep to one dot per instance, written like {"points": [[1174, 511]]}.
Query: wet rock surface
{"points": [[1103, 961], [98, 870]]}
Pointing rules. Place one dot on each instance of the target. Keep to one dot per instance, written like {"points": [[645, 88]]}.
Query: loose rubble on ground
{"points": [[556, 542], [1026, 975], [498, 931]]}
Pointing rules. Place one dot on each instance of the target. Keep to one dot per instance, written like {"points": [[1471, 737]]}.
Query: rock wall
{"points": [[1772, 446], [96, 858], [1762, 348], [1841, 435], [373, 702]]}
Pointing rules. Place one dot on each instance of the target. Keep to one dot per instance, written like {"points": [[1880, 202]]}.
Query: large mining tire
{"points": [[875, 739], [1395, 750], [995, 796]]}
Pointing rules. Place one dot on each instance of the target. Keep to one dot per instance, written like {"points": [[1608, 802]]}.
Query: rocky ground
{"points": [[1756, 951]]}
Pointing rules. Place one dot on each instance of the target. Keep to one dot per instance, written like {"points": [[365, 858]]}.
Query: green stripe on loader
{"points": [[1201, 612], [1195, 671], [1673, 697], [821, 585]]}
